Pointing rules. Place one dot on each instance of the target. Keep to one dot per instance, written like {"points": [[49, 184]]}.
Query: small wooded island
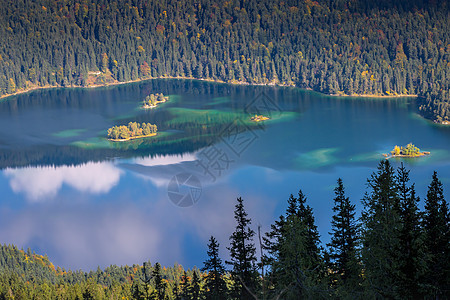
{"points": [[408, 151], [259, 118], [132, 131], [152, 100]]}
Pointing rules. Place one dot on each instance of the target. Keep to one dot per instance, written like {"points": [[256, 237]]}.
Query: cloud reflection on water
{"points": [[84, 236], [44, 182], [41, 183], [135, 221], [162, 160], [160, 169]]}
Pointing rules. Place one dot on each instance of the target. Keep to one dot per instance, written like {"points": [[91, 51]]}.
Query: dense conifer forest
{"points": [[342, 47], [393, 250]]}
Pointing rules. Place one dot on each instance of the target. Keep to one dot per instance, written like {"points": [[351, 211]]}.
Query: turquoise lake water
{"points": [[69, 193]]}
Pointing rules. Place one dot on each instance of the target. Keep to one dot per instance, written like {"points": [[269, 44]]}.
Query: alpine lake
{"points": [[68, 192]]}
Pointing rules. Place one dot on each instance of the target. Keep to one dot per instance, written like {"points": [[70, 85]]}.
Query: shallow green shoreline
{"points": [[270, 84]]}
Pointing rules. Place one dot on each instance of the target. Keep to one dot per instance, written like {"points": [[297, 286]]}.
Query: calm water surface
{"points": [[84, 201]]}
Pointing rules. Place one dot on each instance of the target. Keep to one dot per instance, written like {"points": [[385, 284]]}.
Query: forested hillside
{"points": [[393, 250], [27, 275], [337, 47]]}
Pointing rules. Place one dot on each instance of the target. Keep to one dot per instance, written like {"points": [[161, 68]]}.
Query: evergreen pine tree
{"points": [[160, 286], [195, 287], [344, 261], [437, 240], [409, 255], [292, 206], [147, 278], [242, 255], [215, 284], [380, 235], [184, 294], [294, 258], [272, 242], [305, 215]]}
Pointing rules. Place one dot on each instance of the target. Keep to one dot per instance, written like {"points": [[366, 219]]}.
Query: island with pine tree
{"points": [[133, 131], [409, 150], [259, 118], [152, 100]]}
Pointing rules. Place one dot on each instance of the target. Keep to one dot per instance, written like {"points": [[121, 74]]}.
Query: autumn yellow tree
{"points": [[11, 86], [104, 62], [396, 150]]}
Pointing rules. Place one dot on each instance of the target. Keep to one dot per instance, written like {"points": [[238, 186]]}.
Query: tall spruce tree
{"points": [[344, 260], [294, 257], [437, 240], [138, 291], [313, 248], [243, 256], [184, 293], [409, 255], [380, 232], [195, 287], [274, 238], [272, 242], [147, 278], [216, 288], [140, 288], [160, 286]]}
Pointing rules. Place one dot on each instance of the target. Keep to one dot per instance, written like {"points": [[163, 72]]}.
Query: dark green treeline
{"points": [[338, 47], [393, 250]]}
